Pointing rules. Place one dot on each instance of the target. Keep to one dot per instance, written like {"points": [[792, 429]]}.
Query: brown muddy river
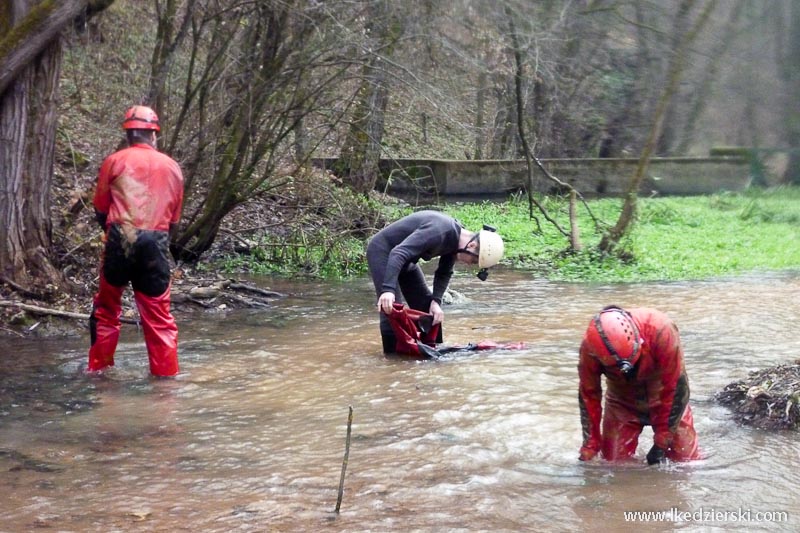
{"points": [[251, 435]]}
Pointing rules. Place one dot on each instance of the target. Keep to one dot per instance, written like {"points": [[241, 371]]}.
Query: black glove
{"points": [[101, 219], [656, 455]]}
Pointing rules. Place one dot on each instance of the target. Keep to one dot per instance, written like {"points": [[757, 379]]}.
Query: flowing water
{"points": [[251, 435]]}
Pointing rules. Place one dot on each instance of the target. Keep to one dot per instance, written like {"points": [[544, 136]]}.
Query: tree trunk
{"points": [[791, 79], [301, 150], [480, 104], [30, 62], [28, 27], [648, 76], [362, 149], [667, 136], [612, 238], [710, 74], [168, 39], [516, 50], [574, 229], [504, 145]]}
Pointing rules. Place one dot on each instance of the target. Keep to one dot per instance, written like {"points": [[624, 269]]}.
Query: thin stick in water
{"points": [[344, 462]]}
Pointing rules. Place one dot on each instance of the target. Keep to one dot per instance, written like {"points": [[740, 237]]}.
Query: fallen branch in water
{"points": [[12, 332], [256, 290], [344, 462], [55, 312], [222, 293], [247, 302]]}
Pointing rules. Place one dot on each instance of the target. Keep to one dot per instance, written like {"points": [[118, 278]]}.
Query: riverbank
{"points": [[674, 238]]}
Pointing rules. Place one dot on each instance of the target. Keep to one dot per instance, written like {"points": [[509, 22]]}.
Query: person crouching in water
{"points": [[393, 253], [138, 204], [639, 351]]}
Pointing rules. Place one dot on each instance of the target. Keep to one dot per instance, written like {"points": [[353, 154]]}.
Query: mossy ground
{"points": [[676, 238]]}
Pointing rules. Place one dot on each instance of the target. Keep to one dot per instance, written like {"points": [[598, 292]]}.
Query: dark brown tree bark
{"points": [[30, 63]]}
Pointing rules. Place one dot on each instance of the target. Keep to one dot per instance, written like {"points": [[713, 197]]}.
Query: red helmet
{"points": [[140, 117], [614, 339]]}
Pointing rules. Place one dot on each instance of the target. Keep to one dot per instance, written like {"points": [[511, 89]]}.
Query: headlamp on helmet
{"points": [[490, 250]]}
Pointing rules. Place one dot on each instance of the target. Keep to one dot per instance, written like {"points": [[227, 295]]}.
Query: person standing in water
{"points": [[138, 204], [393, 253]]}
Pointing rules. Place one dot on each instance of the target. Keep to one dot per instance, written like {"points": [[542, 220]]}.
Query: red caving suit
{"points": [[657, 395], [140, 194]]}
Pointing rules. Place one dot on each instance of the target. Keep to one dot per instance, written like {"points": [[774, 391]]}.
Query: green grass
{"points": [[677, 238], [332, 259]]}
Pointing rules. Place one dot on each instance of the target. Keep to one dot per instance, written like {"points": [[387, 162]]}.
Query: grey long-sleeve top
{"points": [[420, 235]]}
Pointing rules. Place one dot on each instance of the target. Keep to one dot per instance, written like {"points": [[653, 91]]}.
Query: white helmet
{"points": [[491, 248]]}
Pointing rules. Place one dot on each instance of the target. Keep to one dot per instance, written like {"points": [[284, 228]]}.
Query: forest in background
{"points": [[249, 91]]}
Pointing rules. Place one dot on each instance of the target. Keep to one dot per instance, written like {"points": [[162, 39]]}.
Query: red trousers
{"points": [[622, 427], [158, 324]]}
